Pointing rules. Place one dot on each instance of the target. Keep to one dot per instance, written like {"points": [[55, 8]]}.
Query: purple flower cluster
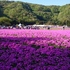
{"points": [[33, 51]]}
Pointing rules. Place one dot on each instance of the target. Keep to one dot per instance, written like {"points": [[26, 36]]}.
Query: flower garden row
{"points": [[34, 49]]}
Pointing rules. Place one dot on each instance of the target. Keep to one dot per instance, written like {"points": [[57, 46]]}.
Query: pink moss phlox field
{"points": [[34, 49]]}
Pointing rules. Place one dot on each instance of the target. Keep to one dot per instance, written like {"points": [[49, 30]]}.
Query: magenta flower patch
{"points": [[34, 50]]}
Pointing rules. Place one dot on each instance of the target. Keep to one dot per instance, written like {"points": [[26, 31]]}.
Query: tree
{"points": [[34, 13], [64, 16], [5, 21]]}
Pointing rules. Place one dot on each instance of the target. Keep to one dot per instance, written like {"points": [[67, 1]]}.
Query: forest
{"points": [[15, 12]]}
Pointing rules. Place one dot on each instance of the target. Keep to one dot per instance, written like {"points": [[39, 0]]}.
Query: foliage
{"points": [[29, 13], [64, 15], [5, 21]]}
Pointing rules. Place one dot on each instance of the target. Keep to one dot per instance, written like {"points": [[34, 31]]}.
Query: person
{"points": [[19, 25], [48, 28], [63, 27]]}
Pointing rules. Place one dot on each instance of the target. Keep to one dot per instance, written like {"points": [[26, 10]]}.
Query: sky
{"points": [[46, 2]]}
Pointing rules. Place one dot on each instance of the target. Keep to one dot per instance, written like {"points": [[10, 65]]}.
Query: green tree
{"points": [[5, 21], [64, 15]]}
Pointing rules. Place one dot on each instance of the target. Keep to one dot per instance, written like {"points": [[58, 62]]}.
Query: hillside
{"points": [[12, 13]]}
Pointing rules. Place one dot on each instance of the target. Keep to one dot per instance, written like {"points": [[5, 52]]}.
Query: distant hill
{"points": [[12, 13]]}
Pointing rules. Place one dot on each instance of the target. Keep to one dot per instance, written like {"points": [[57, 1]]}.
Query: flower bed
{"points": [[34, 50]]}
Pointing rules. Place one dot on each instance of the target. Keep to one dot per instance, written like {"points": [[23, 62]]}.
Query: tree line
{"points": [[15, 12]]}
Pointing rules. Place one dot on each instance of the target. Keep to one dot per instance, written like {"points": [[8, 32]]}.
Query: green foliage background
{"points": [[12, 13]]}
